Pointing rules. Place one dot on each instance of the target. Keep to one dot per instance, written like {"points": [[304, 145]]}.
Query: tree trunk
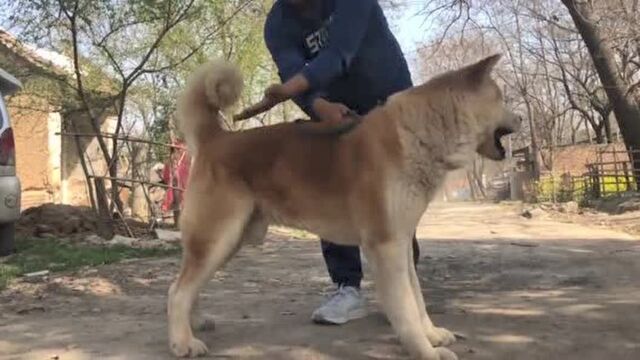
{"points": [[477, 178], [106, 228], [139, 199], [625, 107], [599, 136], [587, 130], [472, 190], [599, 133], [535, 149], [607, 129]]}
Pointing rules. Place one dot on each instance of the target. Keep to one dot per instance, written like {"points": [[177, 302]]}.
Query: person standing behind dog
{"points": [[333, 57]]}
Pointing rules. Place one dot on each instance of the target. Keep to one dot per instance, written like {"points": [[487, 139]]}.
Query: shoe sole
{"points": [[354, 315]]}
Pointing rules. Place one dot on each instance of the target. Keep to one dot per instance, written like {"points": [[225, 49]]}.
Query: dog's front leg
{"points": [[437, 336], [395, 293]]}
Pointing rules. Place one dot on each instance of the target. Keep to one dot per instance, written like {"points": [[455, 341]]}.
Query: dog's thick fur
{"points": [[366, 187]]}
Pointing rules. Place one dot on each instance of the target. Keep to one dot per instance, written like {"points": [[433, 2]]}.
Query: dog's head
{"points": [[484, 102]]}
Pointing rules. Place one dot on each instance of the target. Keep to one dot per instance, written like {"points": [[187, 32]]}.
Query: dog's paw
{"points": [[191, 348], [446, 354], [439, 336]]}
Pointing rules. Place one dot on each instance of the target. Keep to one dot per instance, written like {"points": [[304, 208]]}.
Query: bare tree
{"points": [[618, 90], [549, 73], [131, 44]]}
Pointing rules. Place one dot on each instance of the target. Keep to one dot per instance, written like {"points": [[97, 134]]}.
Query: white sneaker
{"points": [[345, 304]]}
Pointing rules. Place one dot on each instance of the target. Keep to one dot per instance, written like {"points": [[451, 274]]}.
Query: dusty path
{"points": [[515, 288]]}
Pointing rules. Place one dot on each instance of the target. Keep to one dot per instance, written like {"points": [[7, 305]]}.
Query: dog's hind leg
{"points": [[437, 336], [199, 320], [212, 231], [253, 234], [395, 293], [256, 230]]}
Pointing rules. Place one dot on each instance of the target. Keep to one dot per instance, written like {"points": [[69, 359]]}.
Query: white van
{"points": [[9, 182]]}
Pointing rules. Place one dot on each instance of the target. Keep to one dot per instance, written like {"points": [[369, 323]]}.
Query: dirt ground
{"points": [[514, 288]]}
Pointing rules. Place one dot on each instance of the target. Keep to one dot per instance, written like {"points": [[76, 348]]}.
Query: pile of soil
{"points": [[66, 221], [56, 220]]}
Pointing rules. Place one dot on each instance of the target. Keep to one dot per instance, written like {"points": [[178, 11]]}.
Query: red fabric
{"points": [[176, 173]]}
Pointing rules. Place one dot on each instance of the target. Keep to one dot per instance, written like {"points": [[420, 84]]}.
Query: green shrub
{"points": [[579, 188]]}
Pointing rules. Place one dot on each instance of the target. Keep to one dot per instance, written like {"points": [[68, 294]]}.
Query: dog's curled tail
{"points": [[214, 86]]}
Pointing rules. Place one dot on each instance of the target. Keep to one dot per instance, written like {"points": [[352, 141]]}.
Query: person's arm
{"points": [[346, 31], [289, 59]]}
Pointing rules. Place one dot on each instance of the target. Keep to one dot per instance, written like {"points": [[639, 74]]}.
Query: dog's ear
{"points": [[481, 70]]}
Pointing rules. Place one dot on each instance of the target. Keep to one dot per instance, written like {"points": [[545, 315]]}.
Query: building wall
{"points": [[74, 185], [33, 155], [573, 159], [34, 121], [47, 163]]}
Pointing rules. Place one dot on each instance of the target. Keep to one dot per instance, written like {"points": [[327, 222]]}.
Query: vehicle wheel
{"points": [[7, 239]]}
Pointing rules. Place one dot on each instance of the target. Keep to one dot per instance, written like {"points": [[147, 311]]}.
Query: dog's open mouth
{"points": [[497, 136]]}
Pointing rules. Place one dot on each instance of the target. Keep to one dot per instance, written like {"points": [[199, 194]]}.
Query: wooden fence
{"points": [[612, 172], [135, 175]]}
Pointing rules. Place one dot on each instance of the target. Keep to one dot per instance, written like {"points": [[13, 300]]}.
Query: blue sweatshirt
{"points": [[345, 50]]}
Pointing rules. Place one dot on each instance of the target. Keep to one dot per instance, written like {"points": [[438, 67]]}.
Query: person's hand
{"points": [[274, 95], [277, 93], [327, 111]]}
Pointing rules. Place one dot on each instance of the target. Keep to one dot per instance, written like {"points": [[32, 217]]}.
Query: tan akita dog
{"points": [[368, 186]]}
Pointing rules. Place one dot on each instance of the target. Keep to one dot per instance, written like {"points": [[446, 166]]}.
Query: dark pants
{"points": [[344, 265]]}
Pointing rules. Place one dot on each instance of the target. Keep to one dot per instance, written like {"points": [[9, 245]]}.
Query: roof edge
{"points": [[8, 83]]}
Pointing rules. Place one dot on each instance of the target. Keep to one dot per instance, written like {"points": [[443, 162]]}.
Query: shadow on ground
{"points": [[566, 296]]}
